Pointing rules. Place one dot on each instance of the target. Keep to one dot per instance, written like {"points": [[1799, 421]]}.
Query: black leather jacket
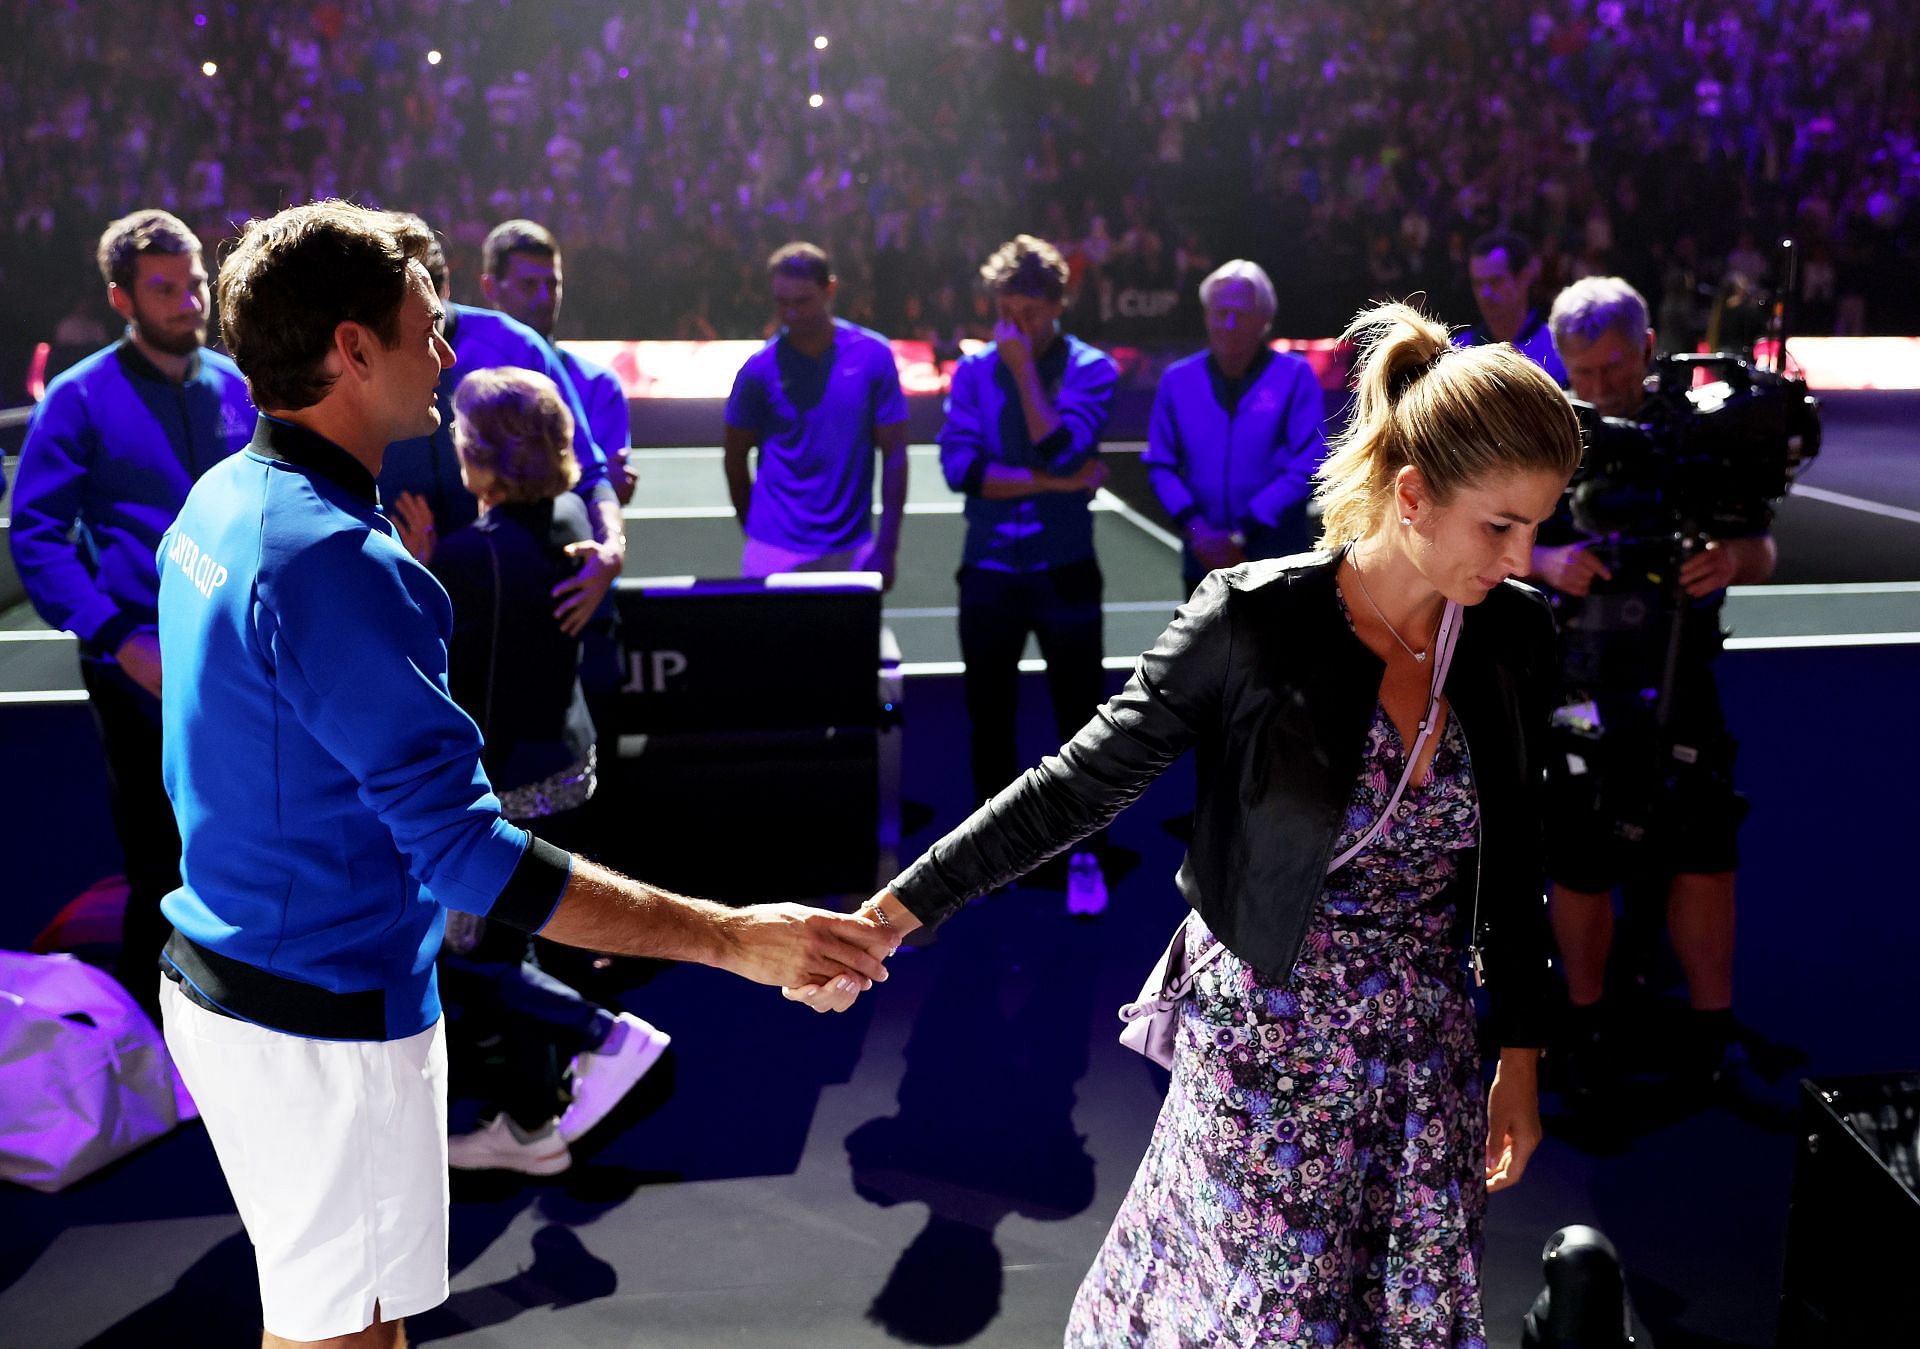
{"points": [[1260, 675]]}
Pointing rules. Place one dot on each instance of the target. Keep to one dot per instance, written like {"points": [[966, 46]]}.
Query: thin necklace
{"points": [[1419, 656]]}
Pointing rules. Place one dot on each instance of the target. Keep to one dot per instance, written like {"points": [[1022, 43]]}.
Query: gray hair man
{"points": [[1601, 332], [1236, 433]]}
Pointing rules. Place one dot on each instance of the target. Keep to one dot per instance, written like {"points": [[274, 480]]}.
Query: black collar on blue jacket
{"points": [[295, 444], [134, 361]]}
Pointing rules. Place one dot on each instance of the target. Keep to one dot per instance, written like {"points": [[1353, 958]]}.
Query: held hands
{"points": [[624, 473], [413, 518], [1712, 568], [1214, 547], [139, 659], [792, 945], [884, 917], [1088, 478], [581, 593], [1570, 570], [1513, 1117]]}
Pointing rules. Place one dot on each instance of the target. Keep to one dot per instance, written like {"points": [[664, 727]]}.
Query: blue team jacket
{"points": [[985, 425], [1240, 468], [109, 455], [328, 789]]}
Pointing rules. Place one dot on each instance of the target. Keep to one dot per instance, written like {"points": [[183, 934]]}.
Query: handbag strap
{"points": [[1444, 641]]}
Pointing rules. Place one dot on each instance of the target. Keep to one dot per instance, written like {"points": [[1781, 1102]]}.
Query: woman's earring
{"points": [[1406, 519]]}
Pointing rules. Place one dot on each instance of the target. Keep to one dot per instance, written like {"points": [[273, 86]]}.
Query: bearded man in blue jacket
{"points": [[109, 456]]}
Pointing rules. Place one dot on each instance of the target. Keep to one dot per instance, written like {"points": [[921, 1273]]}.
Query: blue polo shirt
{"points": [[328, 789], [815, 420]]}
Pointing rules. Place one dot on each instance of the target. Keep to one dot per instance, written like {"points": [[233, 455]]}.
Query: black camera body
{"points": [[1717, 442]]}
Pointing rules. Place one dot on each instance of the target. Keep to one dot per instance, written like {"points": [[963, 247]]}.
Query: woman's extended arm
{"points": [[1175, 695]]}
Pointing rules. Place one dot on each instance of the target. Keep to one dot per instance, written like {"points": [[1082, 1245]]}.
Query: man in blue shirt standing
{"points": [[332, 804], [109, 456], [524, 280], [1022, 441], [1236, 435], [1504, 269], [817, 401]]}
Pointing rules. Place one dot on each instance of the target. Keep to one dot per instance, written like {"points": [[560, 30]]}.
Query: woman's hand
{"points": [[886, 914], [413, 518], [1513, 1117]]}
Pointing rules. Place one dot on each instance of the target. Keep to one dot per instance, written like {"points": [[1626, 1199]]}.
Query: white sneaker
{"points": [[1086, 885], [502, 1145], [602, 1077]]}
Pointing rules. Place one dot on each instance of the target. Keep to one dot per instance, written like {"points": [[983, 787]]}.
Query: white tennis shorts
{"points": [[336, 1153]]}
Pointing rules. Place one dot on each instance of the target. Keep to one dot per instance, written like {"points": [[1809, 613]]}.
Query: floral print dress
{"points": [[1315, 1177]]}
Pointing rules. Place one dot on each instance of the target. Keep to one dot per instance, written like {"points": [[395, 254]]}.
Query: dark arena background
{"points": [[939, 1165]]}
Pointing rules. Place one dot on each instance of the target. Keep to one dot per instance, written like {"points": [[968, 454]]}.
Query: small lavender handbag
{"points": [[1151, 1018]]}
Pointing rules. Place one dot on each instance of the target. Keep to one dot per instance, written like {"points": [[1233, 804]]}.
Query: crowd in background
{"points": [[1354, 148]]}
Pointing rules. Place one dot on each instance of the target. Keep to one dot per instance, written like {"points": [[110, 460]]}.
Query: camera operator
{"points": [[1642, 771]]}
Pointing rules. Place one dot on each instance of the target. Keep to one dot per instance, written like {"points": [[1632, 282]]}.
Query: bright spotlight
{"points": [[815, 100], [433, 58], [820, 43], [209, 69]]}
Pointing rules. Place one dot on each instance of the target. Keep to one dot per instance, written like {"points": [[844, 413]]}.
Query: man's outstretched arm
{"points": [[780, 944]]}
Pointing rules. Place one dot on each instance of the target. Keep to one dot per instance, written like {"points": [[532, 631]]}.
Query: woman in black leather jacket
{"points": [[1320, 1168]]}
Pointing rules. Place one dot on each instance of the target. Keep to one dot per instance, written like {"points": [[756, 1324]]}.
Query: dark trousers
{"points": [[512, 1026], [128, 720], [1061, 607]]}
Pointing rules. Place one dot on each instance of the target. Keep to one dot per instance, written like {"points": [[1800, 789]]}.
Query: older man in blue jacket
{"points": [[109, 456], [1236, 434]]}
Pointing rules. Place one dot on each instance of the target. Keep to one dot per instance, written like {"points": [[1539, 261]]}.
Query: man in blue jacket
{"points": [[109, 455], [420, 476], [1236, 434], [332, 805], [1504, 269], [1022, 441], [523, 278]]}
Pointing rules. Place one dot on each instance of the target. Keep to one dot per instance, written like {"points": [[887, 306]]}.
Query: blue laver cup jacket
{"points": [[329, 790], [1239, 467], [109, 456], [985, 425]]}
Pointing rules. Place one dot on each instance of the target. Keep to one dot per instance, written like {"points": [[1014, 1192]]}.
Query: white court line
{"points": [[1134, 518], [1034, 665], [1031, 665], [1816, 640], [53, 696], [921, 450], [1857, 503], [1104, 502], [1117, 607], [1830, 588], [36, 635]]}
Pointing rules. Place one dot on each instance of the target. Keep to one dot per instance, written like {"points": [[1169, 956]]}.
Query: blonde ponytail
{"points": [[1458, 414]]}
